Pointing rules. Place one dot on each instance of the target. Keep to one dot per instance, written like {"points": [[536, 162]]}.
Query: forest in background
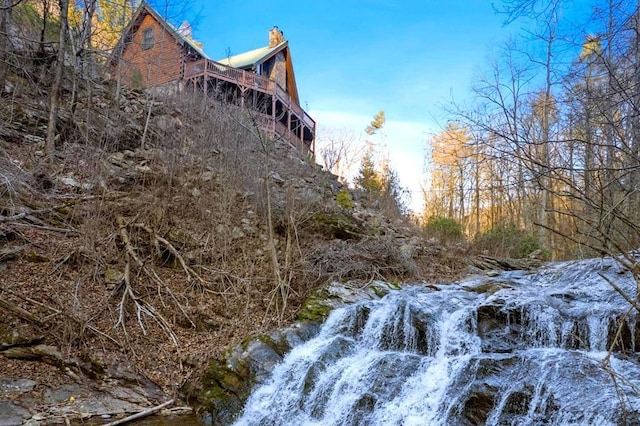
{"points": [[548, 149]]}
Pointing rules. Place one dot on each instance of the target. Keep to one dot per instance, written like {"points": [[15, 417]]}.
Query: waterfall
{"points": [[516, 349]]}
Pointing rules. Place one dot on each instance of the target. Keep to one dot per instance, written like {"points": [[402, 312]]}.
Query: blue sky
{"points": [[354, 58]]}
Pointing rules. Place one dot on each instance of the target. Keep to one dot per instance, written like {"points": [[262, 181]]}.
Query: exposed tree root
{"points": [[141, 414], [128, 294], [157, 240]]}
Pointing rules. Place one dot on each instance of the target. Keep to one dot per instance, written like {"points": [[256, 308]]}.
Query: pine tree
{"points": [[368, 178]]}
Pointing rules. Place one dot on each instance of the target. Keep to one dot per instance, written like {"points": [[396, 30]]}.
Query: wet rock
{"points": [[229, 380], [499, 327], [517, 403], [317, 307], [290, 337], [623, 334], [490, 287], [478, 405]]}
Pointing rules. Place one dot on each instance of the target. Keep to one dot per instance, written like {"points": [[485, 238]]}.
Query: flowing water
{"points": [[516, 349]]}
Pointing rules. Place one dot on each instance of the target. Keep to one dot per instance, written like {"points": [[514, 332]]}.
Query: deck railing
{"points": [[205, 68], [266, 123]]}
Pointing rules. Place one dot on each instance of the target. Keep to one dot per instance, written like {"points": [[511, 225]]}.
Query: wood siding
{"points": [[284, 117], [167, 61], [156, 66]]}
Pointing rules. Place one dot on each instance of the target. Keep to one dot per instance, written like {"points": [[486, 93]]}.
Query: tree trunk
{"points": [[546, 133], [5, 42], [634, 160], [54, 100]]}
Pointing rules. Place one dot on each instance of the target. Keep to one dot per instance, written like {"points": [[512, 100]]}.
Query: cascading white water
{"points": [[515, 349]]}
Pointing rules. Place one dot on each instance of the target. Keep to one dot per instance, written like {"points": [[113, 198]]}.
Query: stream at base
{"points": [[515, 349]]}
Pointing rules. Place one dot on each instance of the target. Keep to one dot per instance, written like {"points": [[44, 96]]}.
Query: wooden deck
{"points": [[295, 127]]}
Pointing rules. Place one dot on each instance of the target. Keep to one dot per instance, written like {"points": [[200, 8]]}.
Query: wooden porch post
{"points": [[273, 113]]}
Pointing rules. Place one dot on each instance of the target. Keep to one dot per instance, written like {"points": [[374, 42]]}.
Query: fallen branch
{"points": [[49, 228], [21, 313], [31, 342], [45, 210], [12, 252], [174, 252], [141, 414], [124, 235], [141, 306]]}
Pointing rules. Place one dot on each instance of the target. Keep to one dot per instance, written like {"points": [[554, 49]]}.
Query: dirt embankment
{"points": [[163, 231]]}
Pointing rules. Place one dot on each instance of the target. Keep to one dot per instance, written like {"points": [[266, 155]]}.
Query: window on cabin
{"points": [[147, 39]]}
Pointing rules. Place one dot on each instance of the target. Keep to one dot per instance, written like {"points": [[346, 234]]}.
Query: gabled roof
{"points": [[143, 9], [253, 57], [245, 60]]}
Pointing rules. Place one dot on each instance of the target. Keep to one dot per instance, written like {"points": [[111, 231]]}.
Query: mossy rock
{"points": [[490, 287], [316, 308], [228, 381], [113, 276], [280, 346], [224, 392], [34, 257], [181, 238], [338, 225], [381, 289], [6, 335]]}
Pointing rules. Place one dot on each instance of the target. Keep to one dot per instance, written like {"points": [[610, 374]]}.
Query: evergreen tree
{"points": [[368, 178]]}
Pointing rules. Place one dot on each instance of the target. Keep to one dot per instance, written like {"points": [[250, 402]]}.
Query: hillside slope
{"points": [[165, 230]]}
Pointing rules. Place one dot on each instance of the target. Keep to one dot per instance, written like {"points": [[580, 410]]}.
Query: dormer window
{"points": [[147, 39]]}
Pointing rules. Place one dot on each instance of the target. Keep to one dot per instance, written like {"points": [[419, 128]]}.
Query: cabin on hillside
{"points": [[154, 54]]}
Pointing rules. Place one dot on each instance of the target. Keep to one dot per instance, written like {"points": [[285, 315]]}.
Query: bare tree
{"points": [[339, 151], [6, 8], [54, 100]]}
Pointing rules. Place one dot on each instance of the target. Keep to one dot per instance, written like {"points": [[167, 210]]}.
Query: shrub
{"points": [[344, 199], [444, 228], [510, 241]]}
